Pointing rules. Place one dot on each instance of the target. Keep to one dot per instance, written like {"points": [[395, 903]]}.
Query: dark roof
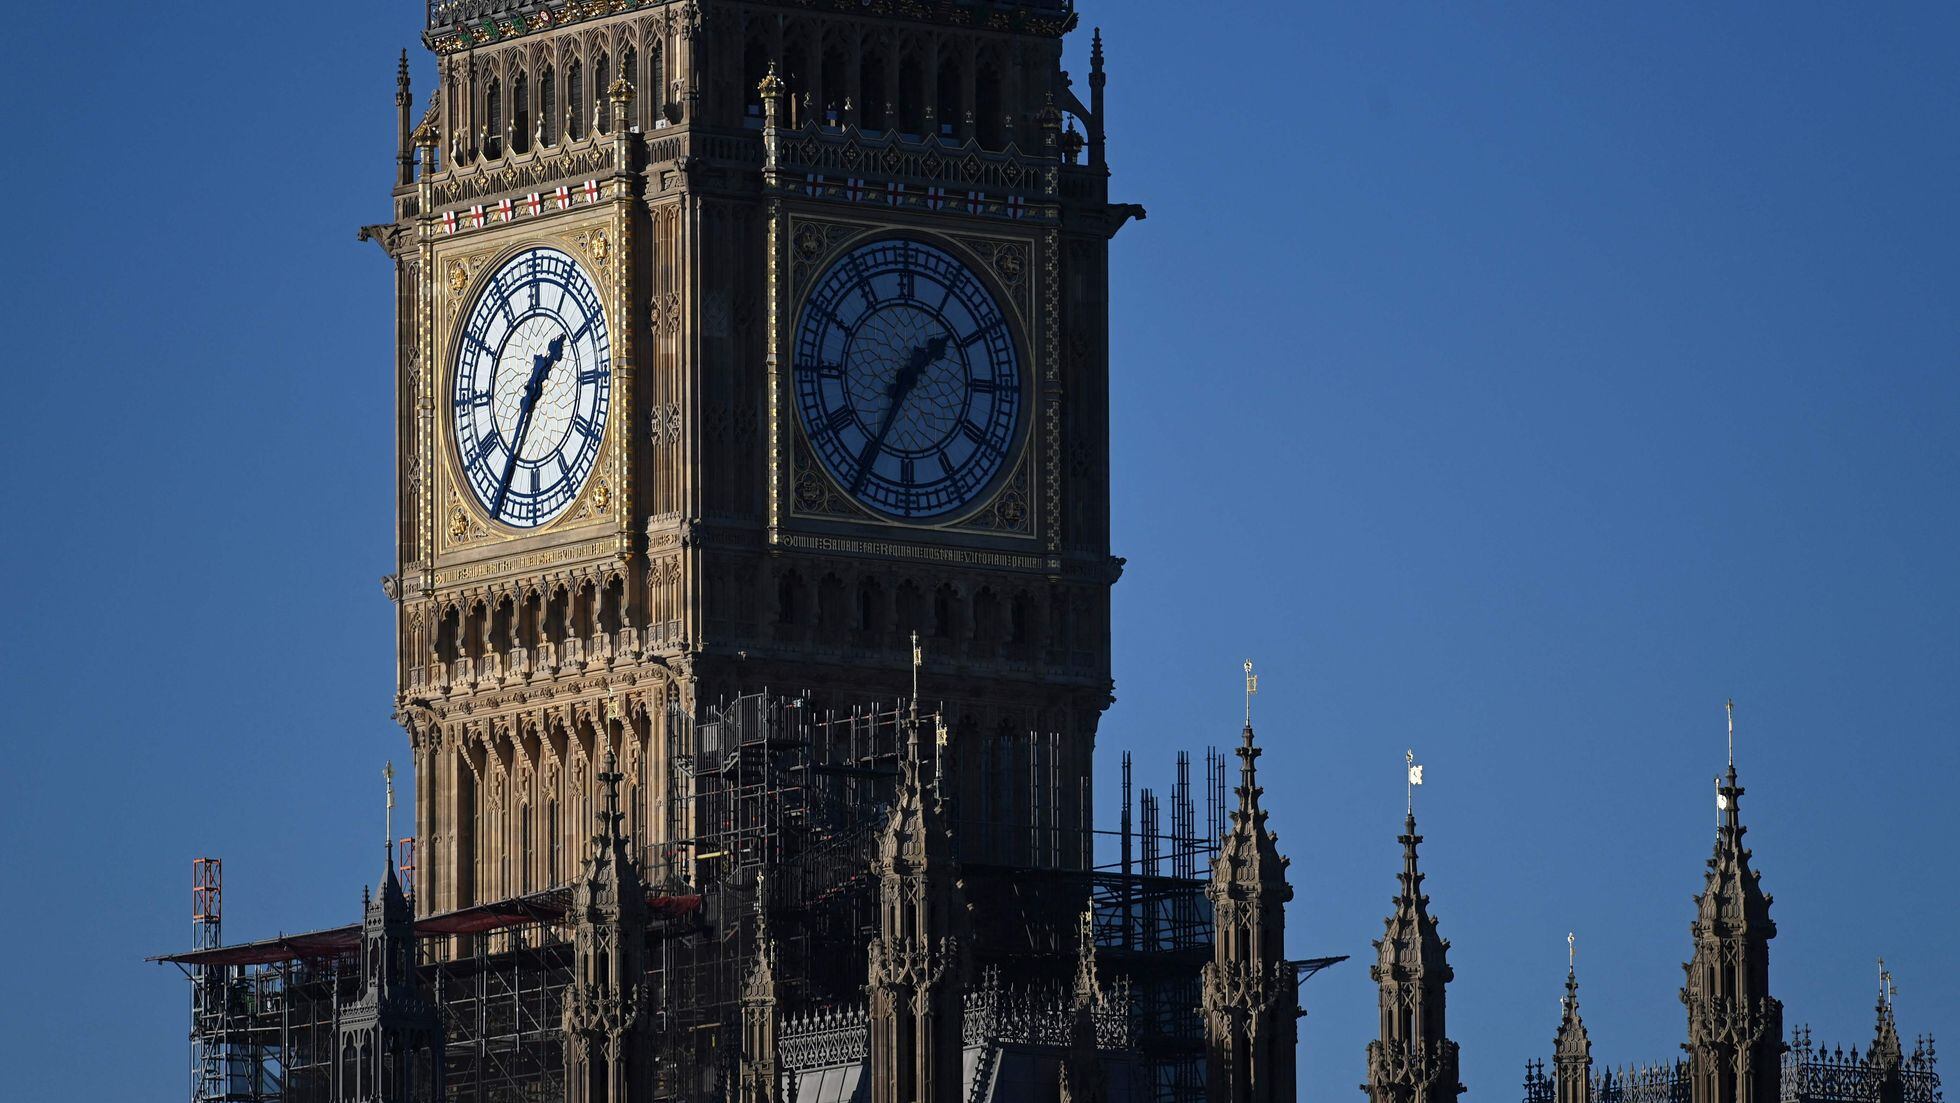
{"points": [[548, 906]]}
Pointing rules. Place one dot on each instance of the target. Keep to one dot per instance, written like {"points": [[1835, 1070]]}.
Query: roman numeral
{"points": [[984, 331]]}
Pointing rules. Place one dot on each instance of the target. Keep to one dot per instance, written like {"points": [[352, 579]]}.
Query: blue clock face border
{"points": [[531, 387], [908, 379]]}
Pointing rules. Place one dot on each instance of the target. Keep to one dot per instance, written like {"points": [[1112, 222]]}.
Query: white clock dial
{"points": [[532, 384]]}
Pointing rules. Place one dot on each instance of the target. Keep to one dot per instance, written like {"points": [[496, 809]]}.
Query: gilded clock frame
{"points": [[459, 274]]}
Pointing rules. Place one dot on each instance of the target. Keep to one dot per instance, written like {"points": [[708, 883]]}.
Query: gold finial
{"points": [[918, 660], [772, 85], [1251, 690]]}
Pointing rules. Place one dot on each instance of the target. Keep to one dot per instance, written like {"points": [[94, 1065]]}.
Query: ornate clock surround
{"points": [[462, 527], [807, 508]]}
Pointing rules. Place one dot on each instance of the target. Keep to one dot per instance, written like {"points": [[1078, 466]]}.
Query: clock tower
{"points": [[737, 342]]}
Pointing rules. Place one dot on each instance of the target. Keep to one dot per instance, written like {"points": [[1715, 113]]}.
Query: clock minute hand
{"points": [[541, 366], [900, 389]]}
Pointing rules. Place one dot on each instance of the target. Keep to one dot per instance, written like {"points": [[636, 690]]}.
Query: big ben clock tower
{"points": [[737, 343]]}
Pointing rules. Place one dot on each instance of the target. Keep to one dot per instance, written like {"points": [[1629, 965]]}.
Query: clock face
{"points": [[908, 380], [532, 382]]}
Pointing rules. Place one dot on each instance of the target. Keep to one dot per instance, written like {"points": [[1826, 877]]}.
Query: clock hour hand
{"points": [[541, 366], [899, 390]]}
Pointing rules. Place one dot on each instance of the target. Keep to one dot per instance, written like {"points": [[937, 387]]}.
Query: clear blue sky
{"points": [[1511, 382]]}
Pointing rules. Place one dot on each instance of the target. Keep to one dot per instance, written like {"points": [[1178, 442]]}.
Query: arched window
{"points": [[836, 89], [612, 606], [908, 611], [502, 623], [551, 830], [755, 66], [520, 114], [871, 88], [474, 627], [869, 601], [988, 120], [830, 602], [789, 598], [575, 100], [630, 66], [584, 611], [911, 96], [599, 82], [946, 105], [945, 614], [447, 631], [493, 113], [548, 106], [655, 92], [524, 848]]}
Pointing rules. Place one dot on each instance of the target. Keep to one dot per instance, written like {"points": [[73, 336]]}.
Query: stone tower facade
{"points": [[1413, 1059], [1735, 1027], [695, 397], [1250, 992], [609, 1018], [390, 1041], [917, 967]]}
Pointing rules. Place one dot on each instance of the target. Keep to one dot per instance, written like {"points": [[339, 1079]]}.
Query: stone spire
{"points": [[608, 1023], [1250, 995], [761, 1071], [1414, 1060], [389, 1037], [1571, 1048], [917, 965], [1735, 1027], [1083, 1078], [1887, 1057]]}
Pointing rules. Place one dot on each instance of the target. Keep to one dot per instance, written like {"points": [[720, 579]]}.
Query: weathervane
{"points": [[1415, 778], [1251, 690], [1571, 951]]}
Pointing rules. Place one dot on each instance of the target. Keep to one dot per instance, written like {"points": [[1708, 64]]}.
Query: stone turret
{"points": [[1083, 1077], [389, 1037], [1571, 1048], [1251, 995], [1735, 1027], [1413, 1060], [918, 962], [1886, 1057], [761, 1070], [608, 1021]]}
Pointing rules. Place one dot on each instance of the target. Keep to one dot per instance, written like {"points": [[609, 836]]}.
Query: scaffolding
{"points": [[772, 798]]}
